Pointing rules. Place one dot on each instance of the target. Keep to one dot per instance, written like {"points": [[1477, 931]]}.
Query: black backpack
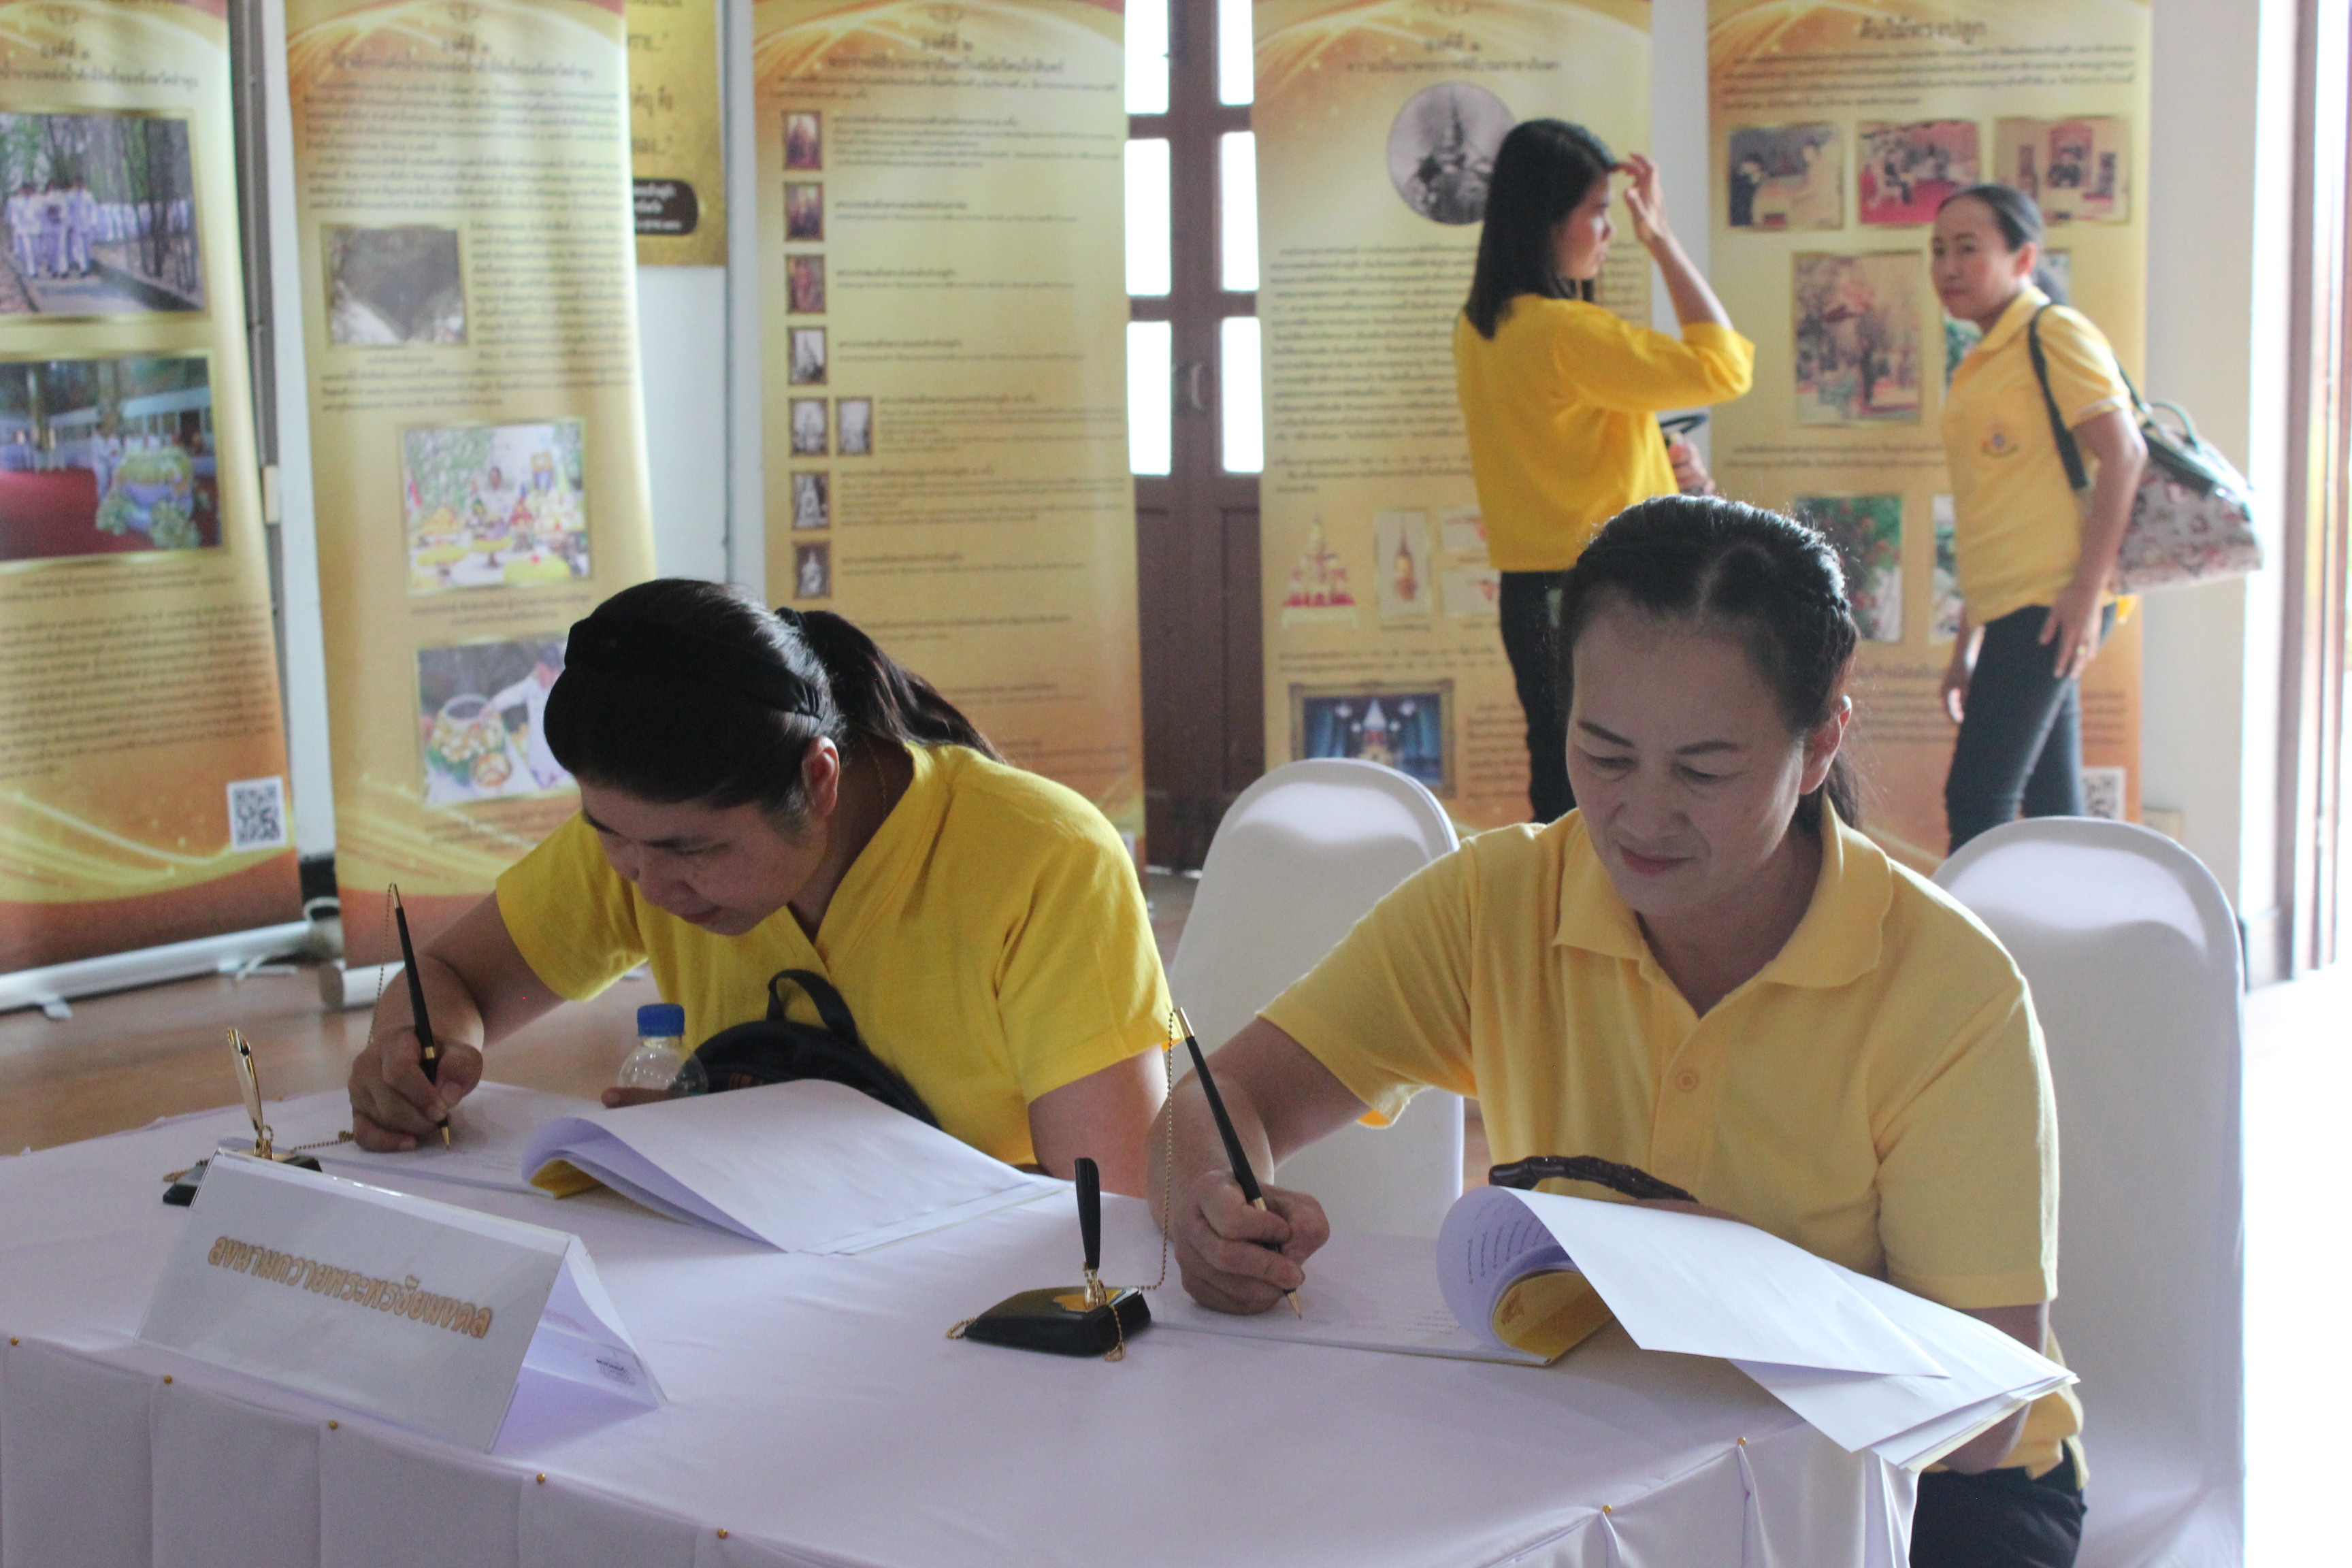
{"points": [[774, 1049]]}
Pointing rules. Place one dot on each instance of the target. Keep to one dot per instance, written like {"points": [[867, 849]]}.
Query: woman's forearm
{"points": [[1694, 300], [2117, 443]]}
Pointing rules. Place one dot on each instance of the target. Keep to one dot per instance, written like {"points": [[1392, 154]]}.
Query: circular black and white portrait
{"points": [[1441, 149]]}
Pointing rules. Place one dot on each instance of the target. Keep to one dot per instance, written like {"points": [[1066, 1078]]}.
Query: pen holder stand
{"points": [[1062, 1320]]}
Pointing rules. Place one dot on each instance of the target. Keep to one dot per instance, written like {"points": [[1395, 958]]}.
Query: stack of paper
{"points": [[489, 1130], [803, 1167]]}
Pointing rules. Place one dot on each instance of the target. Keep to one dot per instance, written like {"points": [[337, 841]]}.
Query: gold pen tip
{"points": [[1183, 1024], [1292, 1297], [445, 1135]]}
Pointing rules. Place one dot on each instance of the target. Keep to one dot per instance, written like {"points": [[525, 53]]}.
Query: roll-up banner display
{"points": [[462, 180], [940, 241], [676, 130], [1836, 131], [1377, 124], [142, 756]]}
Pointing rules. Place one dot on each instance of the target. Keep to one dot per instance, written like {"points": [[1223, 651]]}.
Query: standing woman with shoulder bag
{"points": [[1561, 397], [2034, 559]]}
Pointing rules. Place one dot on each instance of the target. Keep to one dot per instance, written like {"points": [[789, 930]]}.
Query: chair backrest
{"points": [[1300, 857], [2132, 954]]}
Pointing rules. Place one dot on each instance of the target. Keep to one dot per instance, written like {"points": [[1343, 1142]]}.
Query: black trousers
{"points": [[2001, 1518], [2020, 747], [1531, 612]]}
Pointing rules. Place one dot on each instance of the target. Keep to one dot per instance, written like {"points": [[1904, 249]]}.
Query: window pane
{"points": [[1146, 56], [1237, 208], [1245, 408], [1148, 260], [1152, 396], [1236, 63]]}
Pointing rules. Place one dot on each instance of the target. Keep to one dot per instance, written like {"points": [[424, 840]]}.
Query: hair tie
{"points": [[607, 645]]}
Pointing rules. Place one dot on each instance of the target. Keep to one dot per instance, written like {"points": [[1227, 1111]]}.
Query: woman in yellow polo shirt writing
{"points": [[1703, 972], [761, 792], [2033, 558], [1560, 397]]}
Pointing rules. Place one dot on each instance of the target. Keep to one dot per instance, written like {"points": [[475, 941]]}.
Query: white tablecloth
{"points": [[819, 1417]]}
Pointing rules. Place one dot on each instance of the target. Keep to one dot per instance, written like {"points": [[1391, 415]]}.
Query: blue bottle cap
{"points": [[661, 1020]]}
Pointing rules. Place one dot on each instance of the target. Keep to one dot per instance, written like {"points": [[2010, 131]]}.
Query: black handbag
{"points": [[775, 1049]]}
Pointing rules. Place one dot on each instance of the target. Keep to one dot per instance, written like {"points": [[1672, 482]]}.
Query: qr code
{"points": [[257, 815], [2103, 793]]}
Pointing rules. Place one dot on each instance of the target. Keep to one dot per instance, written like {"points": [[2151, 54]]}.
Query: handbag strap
{"points": [[830, 1007], [2069, 453]]}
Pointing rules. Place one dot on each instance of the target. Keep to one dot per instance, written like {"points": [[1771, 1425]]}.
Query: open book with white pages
{"points": [[1524, 1276], [492, 1126], [809, 1166]]}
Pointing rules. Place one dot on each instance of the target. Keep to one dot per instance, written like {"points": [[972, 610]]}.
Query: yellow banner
{"points": [[676, 133], [1377, 123], [1836, 129], [462, 177], [143, 757], [945, 395]]}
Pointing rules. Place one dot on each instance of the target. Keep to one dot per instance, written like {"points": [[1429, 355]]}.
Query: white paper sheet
{"points": [[1363, 1292], [803, 1167], [489, 1130]]}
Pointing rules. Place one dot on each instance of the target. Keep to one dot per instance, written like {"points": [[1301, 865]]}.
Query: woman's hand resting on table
{"points": [[1240, 1259]]}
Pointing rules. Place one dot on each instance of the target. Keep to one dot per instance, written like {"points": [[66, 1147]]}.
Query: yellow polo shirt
{"points": [[1562, 409], [1876, 1094], [2017, 525], [991, 941]]}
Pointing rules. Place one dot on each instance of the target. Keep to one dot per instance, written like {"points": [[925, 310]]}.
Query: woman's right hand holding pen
{"points": [[1238, 1258]]}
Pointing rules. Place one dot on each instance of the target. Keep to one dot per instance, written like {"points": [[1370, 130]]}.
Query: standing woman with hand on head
{"points": [[1560, 397], [2034, 555]]}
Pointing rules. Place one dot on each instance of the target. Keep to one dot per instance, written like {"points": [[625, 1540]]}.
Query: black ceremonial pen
{"points": [[1233, 1154], [431, 1051]]}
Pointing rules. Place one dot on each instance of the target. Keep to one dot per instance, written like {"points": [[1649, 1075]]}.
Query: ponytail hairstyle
{"points": [[2019, 217], [681, 691], [1542, 171], [1723, 565]]}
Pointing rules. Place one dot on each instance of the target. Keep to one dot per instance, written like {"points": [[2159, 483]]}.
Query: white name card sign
{"points": [[421, 1312]]}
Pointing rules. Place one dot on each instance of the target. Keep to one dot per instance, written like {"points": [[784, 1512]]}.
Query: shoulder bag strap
{"points": [[2069, 453], [830, 1008]]}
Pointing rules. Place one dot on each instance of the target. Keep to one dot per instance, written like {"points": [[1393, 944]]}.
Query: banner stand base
{"points": [[343, 986], [51, 989]]}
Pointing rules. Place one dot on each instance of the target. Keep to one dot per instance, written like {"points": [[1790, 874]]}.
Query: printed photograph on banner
{"points": [[813, 570], [808, 356], [1788, 176], [100, 212], [1400, 543], [386, 287], [1474, 593], [804, 138], [804, 212], [1401, 727], [1318, 590], [103, 456], [480, 716], [1462, 533], [1867, 534], [1907, 170], [2076, 168], [2103, 793], [1944, 606], [810, 438], [853, 424], [804, 285], [1441, 149], [491, 506], [1857, 336], [811, 498]]}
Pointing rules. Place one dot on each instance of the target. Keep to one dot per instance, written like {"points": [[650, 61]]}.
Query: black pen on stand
{"points": [[1233, 1154], [430, 1050]]}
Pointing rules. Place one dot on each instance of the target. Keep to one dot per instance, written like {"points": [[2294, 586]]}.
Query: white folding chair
{"points": [[2132, 955], [1299, 858]]}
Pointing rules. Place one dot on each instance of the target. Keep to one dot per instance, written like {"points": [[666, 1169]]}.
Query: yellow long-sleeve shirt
{"points": [[1562, 405]]}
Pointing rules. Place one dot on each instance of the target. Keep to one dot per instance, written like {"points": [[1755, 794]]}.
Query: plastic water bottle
{"points": [[661, 1060]]}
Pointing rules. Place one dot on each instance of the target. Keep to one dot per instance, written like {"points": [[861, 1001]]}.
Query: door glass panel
{"points": [[1237, 209], [1149, 259], [1152, 396], [1146, 56], [1243, 400], [1236, 64]]}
